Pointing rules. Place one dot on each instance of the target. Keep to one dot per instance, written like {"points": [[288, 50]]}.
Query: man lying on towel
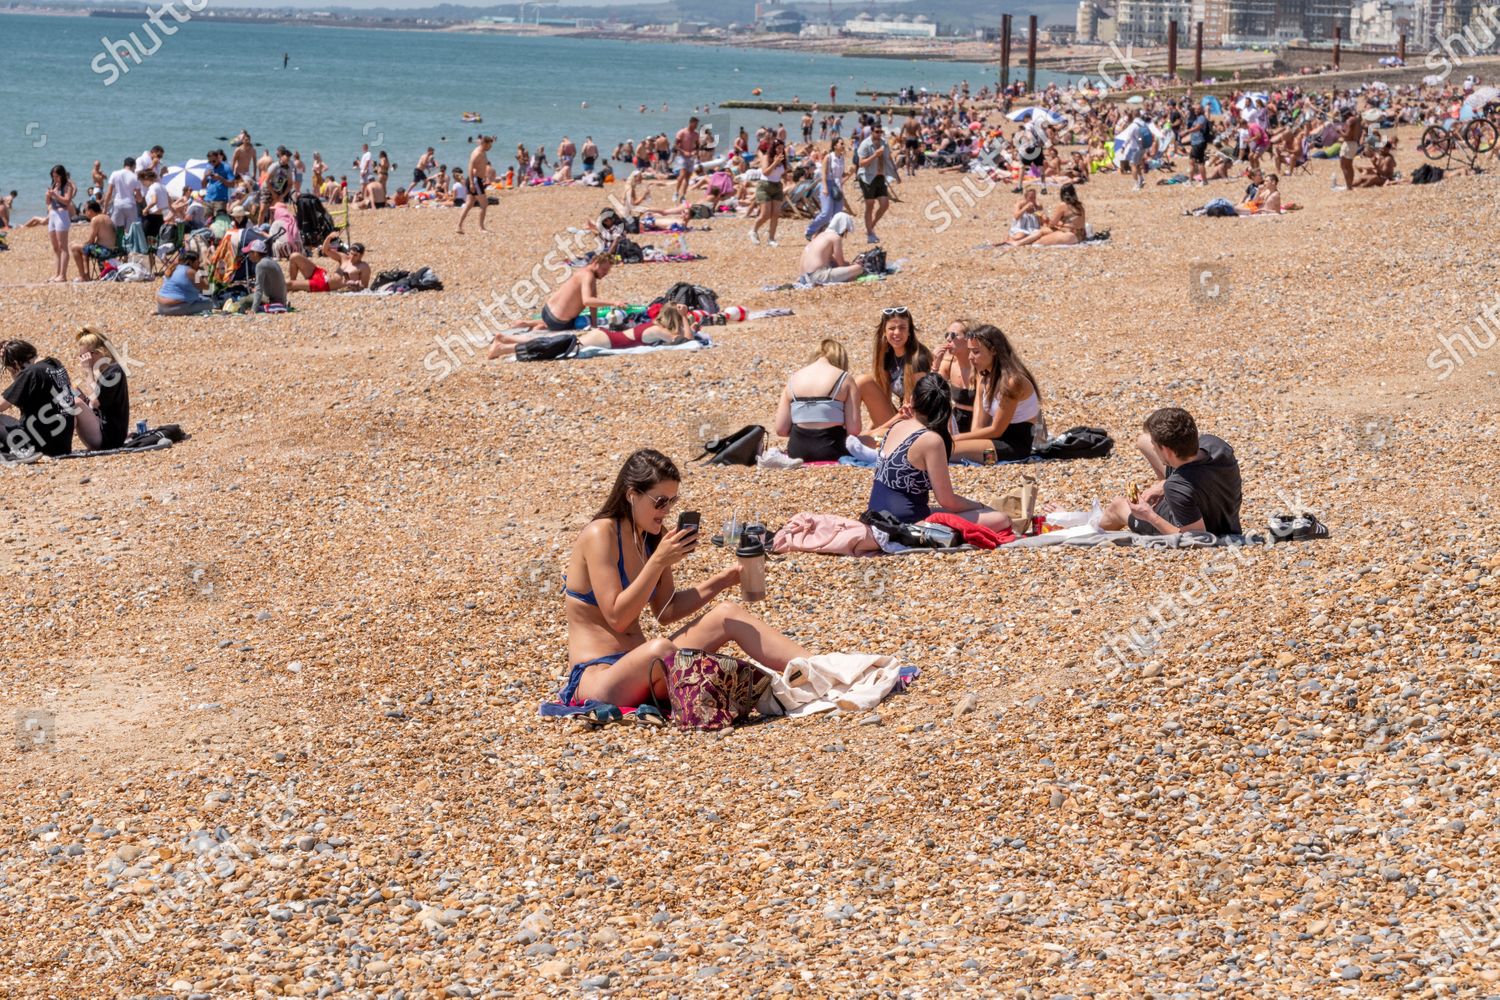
{"points": [[1197, 484], [350, 275]]}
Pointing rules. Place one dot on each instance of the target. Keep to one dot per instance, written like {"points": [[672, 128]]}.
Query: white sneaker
{"points": [[775, 458], [858, 449], [773, 243], [754, 237]]}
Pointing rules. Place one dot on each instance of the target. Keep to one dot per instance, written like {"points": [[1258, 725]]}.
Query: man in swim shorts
{"points": [[1351, 139], [350, 274], [479, 169], [563, 307]]}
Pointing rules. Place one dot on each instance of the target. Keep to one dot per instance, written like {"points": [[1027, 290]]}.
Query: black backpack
{"points": [[1078, 442], [740, 448], [313, 221], [629, 251], [557, 348], [633, 226], [1427, 174], [693, 296], [873, 261]]}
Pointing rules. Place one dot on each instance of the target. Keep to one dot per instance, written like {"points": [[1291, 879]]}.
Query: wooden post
{"points": [[1031, 56], [1401, 48], [1172, 50], [1004, 51], [1198, 56], [1338, 43]]}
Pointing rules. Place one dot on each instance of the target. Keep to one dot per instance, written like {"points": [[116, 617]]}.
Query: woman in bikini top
{"points": [[623, 564]]}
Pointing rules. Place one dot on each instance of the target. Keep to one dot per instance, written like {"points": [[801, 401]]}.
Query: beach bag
{"points": [[389, 278], [1219, 208], [1078, 442], [701, 212], [742, 447], [629, 251], [557, 348], [693, 296], [922, 535], [873, 261], [633, 226], [1427, 174], [709, 692]]}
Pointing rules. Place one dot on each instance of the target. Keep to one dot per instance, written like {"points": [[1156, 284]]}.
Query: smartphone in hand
{"points": [[689, 520]]}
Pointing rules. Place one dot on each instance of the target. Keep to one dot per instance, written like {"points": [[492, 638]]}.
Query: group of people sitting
{"points": [[975, 400], [48, 410]]}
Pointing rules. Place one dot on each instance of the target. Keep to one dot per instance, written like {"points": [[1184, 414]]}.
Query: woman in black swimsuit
{"points": [[622, 564], [952, 360]]}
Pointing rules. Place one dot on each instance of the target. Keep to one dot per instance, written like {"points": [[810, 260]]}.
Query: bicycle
{"points": [[1476, 138]]}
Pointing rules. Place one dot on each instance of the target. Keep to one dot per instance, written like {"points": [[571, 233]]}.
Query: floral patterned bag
{"points": [[711, 692]]}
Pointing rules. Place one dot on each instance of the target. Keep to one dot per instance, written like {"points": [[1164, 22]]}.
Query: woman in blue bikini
{"points": [[622, 564]]}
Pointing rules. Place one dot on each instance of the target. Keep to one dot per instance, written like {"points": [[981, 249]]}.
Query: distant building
{"points": [[1382, 22], [900, 26], [1144, 22], [783, 22]]}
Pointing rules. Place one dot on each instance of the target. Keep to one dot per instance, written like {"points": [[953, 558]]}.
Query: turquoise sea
{"points": [[398, 90]]}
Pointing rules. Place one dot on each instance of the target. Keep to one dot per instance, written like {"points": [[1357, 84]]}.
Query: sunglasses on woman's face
{"points": [[660, 503], [896, 311]]}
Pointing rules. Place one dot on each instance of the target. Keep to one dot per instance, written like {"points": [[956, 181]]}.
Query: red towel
{"points": [[972, 533]]}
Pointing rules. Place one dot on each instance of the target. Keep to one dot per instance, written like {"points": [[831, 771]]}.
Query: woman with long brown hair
{"points": [[622, 564], [1007, 405], [897, 360]]}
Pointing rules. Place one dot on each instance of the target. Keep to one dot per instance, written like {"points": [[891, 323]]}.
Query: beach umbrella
{"points": [[1476, 101], [185, 177]]}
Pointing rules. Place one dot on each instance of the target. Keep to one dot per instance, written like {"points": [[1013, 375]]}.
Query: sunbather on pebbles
{"points": [[1008, 406], [621, 565], [898, 358], [349, 274], [823, 261]]}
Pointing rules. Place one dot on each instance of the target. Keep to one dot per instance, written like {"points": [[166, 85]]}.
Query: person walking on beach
{"points": [[60, 195], [830, 180], [875, 165], [686, 147], [479, 169]]}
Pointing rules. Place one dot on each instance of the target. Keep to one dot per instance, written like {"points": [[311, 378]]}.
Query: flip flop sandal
{"points": [[650, 715]]}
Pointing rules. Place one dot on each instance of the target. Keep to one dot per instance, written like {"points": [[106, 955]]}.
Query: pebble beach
{"points": [[288, 670]]}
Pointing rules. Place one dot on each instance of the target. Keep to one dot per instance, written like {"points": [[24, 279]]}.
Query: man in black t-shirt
{"points": [[1198, 484]]}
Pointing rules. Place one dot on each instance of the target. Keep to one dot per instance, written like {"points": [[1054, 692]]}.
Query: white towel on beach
{"points": [[854, 682]]}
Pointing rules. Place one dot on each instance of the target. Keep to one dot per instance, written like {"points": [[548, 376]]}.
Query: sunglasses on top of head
{"points": [[896, 311]]}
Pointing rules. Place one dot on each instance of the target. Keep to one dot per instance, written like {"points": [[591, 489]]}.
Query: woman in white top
{"points": [[819, 407], [831, 170], [770, 195], [158, 204], [60, 195], [1007, 406]]}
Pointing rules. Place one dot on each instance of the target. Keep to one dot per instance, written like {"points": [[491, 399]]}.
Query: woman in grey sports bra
{"points": [[819, 407]]}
